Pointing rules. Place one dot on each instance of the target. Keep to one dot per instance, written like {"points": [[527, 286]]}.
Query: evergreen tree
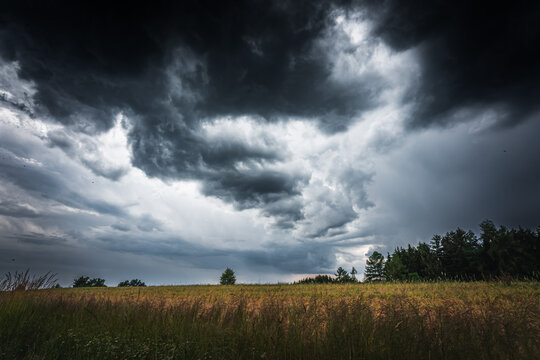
{"points": [[228, 277], [394, 270], [342, 276], [375, 267]]}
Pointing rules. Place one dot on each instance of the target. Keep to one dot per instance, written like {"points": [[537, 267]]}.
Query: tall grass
{"points": [[22, 281], [367, 321]]}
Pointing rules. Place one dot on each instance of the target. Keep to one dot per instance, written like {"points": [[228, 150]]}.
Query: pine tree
{"points": [[228, 277], [375, 267]]}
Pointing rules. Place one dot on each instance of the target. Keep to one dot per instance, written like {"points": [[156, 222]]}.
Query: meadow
{"points": [[440, 320]]}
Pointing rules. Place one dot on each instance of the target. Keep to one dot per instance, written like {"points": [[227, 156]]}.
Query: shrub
{"points": [[132, 283], [85, 281]]}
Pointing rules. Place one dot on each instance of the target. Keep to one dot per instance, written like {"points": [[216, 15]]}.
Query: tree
{"points": [[394, 270], [132, 283], [353, 274], [375, 267], [342, 276], [85, 281], [460, 255], [228, 277]]}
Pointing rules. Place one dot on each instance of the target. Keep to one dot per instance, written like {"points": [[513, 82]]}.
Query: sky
{"points": [[170, 140]]}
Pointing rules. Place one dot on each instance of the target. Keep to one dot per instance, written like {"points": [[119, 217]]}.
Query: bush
{"points": [[85, 281], [132, 283]]}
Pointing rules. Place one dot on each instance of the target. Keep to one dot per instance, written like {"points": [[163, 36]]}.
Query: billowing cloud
{"points": [[284, 137], [475, 56]]}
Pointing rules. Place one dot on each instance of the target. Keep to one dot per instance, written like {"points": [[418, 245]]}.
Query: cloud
{"points": [[40, 239], [10, 208], [264, 60], [474, 55], [286, 137], [440, 180]]}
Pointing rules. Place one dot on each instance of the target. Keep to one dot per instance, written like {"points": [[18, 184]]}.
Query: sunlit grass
{"points": [[446, 320]]}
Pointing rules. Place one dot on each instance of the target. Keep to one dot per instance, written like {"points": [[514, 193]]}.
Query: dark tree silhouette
{"points": [[461, 255], [228, 277], [132, 283], [85, 281]]}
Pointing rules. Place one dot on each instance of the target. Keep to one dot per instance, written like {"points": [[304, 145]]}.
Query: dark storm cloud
{"points": [[169, 66], [454, 179], [473, 55], [252, 189], [302, 258]]}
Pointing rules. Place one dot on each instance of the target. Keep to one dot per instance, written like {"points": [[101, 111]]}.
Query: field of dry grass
{"points": [[446, 320]]}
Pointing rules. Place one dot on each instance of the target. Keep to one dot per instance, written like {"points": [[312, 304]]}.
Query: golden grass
{"points": [[476, 320]]}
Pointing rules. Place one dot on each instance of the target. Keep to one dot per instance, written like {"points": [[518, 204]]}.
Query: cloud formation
{"points": [[283, 135], [475, 56]]}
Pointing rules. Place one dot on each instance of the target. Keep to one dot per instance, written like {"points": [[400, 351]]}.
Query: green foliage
{"points": [[461, 255], [132, 283], [375, 267], [343, 277], [394, 270], [228, 277], [340, 277], [319, 279], [85, 281]]}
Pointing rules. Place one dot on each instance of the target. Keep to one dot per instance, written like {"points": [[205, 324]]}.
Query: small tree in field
{"points": [[375, 267], [228, 277]]}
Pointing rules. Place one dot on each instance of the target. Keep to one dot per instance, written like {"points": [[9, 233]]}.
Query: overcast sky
{"points": [[279, 138]]}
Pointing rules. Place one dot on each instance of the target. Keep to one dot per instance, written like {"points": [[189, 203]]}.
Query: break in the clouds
{"points": [[281, 138]]}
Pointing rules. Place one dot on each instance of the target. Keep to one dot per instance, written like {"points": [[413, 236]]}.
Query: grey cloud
{"points": [[49, 184], [147, 223], [312, 258], [24, 106], [183, 68], [100, 168], [477, 54], [284, 258], [81, 148], [40, 239], [455, 178], [13, 209], [121, 227]]}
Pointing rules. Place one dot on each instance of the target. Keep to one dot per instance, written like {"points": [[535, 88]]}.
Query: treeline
{"points": [[340, 277], [461, 255], [85, 281]]}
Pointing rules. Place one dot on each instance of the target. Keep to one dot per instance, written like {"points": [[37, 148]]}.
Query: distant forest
{"points": [[497, 253]]}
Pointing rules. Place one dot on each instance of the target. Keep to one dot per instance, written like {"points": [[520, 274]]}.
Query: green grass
{"points": [[448, 320]]}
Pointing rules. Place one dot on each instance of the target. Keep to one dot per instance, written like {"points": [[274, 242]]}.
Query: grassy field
{"points": [[448, 320]]}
